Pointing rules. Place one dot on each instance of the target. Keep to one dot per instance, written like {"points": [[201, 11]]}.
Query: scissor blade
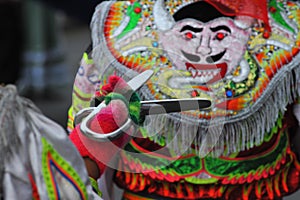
{"points": [[173, 105], [139, 80]]}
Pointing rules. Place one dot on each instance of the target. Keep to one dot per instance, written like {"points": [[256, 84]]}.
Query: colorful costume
{"points": [[241, 55], [38, 161]]}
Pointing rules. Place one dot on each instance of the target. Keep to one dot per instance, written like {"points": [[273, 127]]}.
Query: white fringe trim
{"points": [[240, 132]]}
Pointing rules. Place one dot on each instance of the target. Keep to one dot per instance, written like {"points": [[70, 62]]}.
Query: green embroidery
{"points": [[133, 18], [196, 180], [221, 167], [51, 158], [186, 166], [276, 14], [158, 140], [181, 166], [94, 184], [244, 86], [88, 60]]}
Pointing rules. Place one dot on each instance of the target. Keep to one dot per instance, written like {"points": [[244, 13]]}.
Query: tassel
{"points": [[240, 134]]}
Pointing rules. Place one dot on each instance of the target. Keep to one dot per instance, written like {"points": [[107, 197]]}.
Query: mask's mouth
{"points": [[207, 73]]}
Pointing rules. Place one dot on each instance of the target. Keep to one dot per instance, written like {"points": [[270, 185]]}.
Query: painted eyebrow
{"points": [[217, 28], [190, 28]]}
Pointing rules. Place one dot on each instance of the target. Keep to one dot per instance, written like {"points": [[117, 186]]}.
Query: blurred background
{"points": [[42, 42]]}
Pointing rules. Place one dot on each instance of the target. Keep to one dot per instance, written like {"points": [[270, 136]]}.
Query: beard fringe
{"points": [[239, 132], [236, 134]]}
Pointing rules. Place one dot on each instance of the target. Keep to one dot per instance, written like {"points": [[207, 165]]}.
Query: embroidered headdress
{"points": [[248, 71]]}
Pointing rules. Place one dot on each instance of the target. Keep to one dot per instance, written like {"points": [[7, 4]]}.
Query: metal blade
{"points": [[136, 82], [155, 107]]}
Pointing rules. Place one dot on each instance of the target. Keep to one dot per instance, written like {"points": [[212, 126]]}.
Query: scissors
{"points": [[151, 107]]}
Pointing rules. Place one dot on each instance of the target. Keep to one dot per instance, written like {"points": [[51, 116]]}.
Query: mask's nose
{"points": [[204, 46]]}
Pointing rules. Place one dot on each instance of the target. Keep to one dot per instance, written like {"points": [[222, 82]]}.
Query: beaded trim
{"points": [[240, 106], [57, 171]]}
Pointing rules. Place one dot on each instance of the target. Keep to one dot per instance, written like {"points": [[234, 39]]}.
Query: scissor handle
{"points": [[135, 83], [84, 127]]}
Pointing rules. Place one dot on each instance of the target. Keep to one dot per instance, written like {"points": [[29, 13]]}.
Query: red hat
{"points": [[252, 8]]}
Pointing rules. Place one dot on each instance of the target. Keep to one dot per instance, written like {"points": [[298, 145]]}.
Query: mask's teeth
{"points": [[193, 72]]}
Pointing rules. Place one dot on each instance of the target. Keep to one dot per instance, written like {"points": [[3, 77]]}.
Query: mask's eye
{"points": [[189, 35], [220, 36]]}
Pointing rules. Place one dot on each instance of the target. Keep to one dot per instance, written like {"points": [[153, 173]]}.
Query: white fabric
{"points": [[23, 124]]}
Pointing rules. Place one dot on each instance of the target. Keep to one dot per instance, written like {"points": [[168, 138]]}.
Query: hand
{"points": [[117, 89], [110, 118]]}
